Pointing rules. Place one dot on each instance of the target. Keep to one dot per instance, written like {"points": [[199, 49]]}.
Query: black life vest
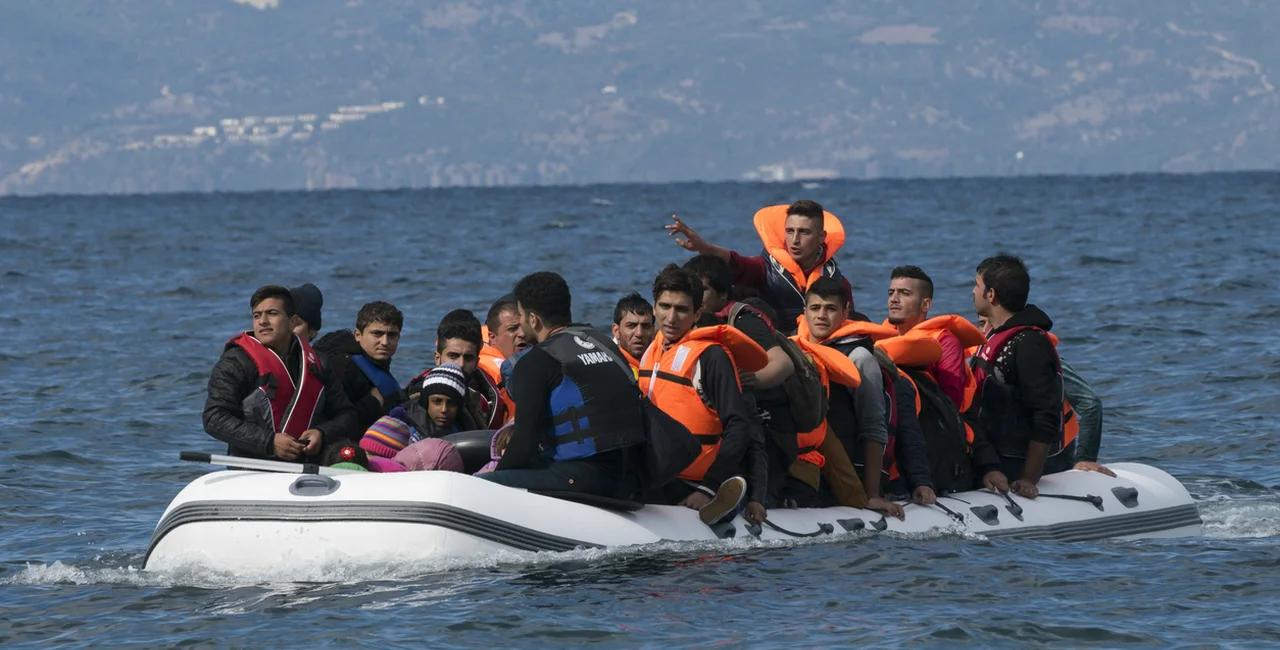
{"points": [[784, 295], [998, 401], [946, 438], [596, 408]]}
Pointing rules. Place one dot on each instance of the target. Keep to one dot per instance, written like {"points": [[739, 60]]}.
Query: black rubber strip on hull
{"points": [[1138, 523], [431, 514]]}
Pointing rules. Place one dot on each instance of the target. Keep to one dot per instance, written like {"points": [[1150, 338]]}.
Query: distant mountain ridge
{"points": [[123, 96]]}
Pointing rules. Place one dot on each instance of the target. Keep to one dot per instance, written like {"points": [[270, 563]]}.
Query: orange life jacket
{"points": [[852, 328], [491, 365], [667, 377], [832, 365], [970, 337], [786, 282], [631, 361]]}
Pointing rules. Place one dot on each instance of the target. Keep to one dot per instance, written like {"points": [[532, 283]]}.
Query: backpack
{"points": [[806, 396], [950, 468]]}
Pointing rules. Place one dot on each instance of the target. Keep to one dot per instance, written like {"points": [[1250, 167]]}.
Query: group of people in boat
{"points": [[748, 383]]}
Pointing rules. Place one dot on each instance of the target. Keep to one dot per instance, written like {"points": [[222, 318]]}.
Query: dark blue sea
{"points": [[1163, 288]]}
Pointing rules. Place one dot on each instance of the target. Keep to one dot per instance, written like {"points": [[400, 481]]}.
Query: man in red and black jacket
{"points": [[269, 396], [1019, 400], [800, 242]]}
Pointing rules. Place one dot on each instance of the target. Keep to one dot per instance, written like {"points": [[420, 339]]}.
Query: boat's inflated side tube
{"points": [[473, 446]]}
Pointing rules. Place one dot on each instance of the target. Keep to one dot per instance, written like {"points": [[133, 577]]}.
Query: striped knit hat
{"points": [[447, 380], [386, 437]]}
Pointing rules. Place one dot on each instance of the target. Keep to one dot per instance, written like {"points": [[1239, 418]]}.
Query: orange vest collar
{"points": [[967, 332], [836, 367], [771, 225], [912, 349], [853, 328]]}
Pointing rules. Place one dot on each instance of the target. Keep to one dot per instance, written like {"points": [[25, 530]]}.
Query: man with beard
{"points": [[633, 327], [579, 425]]}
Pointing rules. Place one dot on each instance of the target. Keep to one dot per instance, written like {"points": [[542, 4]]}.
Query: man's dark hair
{"points": [[458, 324], [714, 270], [677, 280], [273, 291], [504, 304], [828, 289], [546, 294], [806, 208], [632, 303], [1008, 276], [379, 312], [914, 273]]}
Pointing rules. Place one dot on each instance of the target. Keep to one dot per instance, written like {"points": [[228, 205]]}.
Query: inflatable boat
{"points": [[248, 522]]}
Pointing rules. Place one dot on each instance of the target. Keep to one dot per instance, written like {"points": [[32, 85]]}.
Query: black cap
{"points": [[308, 300]]}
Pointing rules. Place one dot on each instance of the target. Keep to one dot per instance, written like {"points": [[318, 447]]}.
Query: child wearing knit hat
{"points": [[383, 440], [443, 391]]}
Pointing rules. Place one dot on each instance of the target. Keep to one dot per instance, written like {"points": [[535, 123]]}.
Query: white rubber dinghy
{"points": [[250, 522]]}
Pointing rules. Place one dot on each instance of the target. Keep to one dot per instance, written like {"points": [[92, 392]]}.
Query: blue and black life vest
{"points": [[596, 408], [382, 379]]}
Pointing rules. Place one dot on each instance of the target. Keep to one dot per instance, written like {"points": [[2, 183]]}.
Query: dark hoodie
{"points": [[1031, 407], [335, 350]]}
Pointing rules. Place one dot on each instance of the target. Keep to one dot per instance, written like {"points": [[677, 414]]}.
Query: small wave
{"points": [[124, 568], [1098, 260], [811, 186], [601, 202], [1178, 301], [1227, 517], [15, 274], [56, 455], [182, 292]]}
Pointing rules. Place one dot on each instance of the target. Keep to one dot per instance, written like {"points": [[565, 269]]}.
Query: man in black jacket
{"points": [[1019, 401], [578, 425], [361, 359], [269, 397]]}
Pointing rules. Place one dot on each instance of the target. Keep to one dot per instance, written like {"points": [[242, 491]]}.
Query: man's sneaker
{"points": [[726, 503]]}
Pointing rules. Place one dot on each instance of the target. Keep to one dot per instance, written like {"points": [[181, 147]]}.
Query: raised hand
{"points": [[692, 241]]}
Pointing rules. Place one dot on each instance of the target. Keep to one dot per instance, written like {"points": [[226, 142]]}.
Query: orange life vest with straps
{"points": [[490, 364], [669, 376], [971, 338], [786, 282], [832, 366], [293, 406], [631, 361]]}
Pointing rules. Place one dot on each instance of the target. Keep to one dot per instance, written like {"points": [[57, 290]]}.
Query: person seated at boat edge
{"points": [[1087, 407], [691, 375], [575, 399], [506, 340], [800, 243], [1019, 399], [633, 328], [766, 401], [252, 404], [860, 416], [362, 359], [857, 416], [458, 341], [910, 297], [308, 300]]}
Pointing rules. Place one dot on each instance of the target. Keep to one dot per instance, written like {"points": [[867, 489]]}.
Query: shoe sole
{"points": [[726, 503]]}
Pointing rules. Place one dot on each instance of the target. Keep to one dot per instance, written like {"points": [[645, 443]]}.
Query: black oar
{"points": [[1088, 498], [823, 529]]}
